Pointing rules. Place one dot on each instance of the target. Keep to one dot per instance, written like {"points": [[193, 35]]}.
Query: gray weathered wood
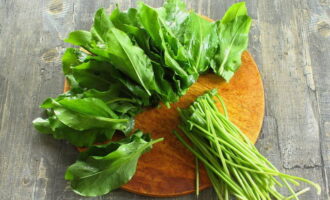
{"points": [[289, 40]]}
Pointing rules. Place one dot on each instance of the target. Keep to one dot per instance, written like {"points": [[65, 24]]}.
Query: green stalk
{"points": [[253, 184], [217, 143], [219, 173], [298, 193], [237, 150], [233, 163], [197, 176], [226, 192], [242, 181], [223, 106], [215, 182]]}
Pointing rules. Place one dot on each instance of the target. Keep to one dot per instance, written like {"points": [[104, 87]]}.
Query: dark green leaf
{"points": [[85, 113], [104, 168], [92, 75], [59, 130]]}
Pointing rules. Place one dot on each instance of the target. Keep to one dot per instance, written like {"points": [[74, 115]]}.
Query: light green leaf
{"points": [[80, 38], [200, 40], [101, 25], [233, 32]]}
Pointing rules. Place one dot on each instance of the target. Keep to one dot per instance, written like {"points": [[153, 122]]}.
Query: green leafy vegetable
{"points": [[89, 116], [72, 57], [175, 15], [233, 163], [175, 56], [84, 114], [103, 168], [80, 38], [197, 35], [78, 138], [233, 33], [101, 26], [129, 59], [126, 62], [200, 40]]}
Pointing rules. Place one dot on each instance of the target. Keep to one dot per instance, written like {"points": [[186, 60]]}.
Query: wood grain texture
{"points": [[289, 41]]}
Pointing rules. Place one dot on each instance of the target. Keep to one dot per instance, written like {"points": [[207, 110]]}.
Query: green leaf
{"points": [[174, 55], [98, 31], [128, 58], [89, 106], [200, 40], [167, 94], [125, 20], [112, 93], [92, 75], [125, 87], [175, 15], [59, 130], [153, 28], [236, 10], [72, 57], [72, 82], [233, 32], [122, 105], [80, 38], [104, 168], [87, 113], [101, 25], [42, 125], [101, 75], [128, 23]]}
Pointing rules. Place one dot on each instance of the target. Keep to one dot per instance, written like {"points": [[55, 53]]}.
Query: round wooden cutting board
{"points": [[169, 168]]}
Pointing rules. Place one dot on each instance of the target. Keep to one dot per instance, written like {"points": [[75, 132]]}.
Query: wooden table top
{"points": [[289, 40]]}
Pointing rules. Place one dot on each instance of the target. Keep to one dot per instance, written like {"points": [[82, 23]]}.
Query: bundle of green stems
{"points": [[234, 165]]}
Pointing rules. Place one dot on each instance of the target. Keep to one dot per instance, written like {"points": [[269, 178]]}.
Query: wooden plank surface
{"points": [[289, 40]]}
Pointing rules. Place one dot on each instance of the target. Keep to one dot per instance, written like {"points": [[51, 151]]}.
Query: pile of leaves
{"points": [[130, 60]]}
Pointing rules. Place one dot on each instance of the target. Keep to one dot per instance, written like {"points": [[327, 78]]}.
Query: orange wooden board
{"points": [[169, 168]]}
